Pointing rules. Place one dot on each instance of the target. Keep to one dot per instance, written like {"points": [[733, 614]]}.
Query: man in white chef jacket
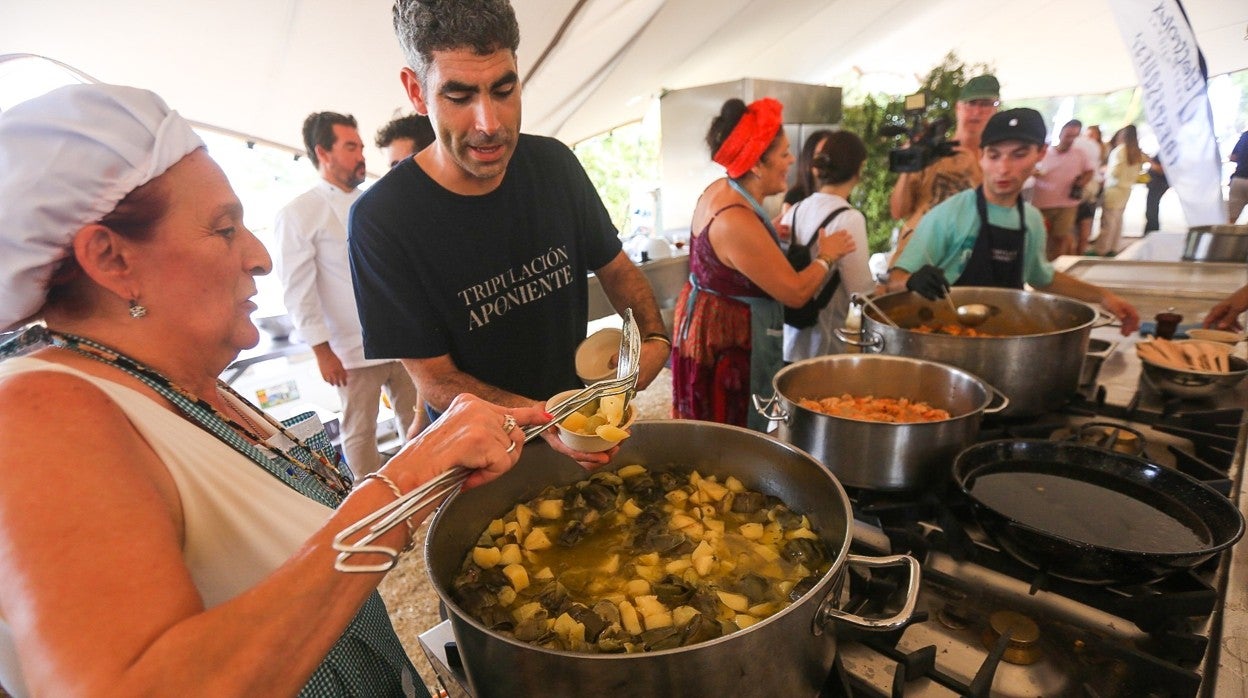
{"points": [[312, 262]]}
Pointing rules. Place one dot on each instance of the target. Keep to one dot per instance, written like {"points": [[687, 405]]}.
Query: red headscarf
{"points": [[750, 137]]}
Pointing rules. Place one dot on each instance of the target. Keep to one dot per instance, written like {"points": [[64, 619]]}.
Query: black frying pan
{"points": [[1094, 516]]}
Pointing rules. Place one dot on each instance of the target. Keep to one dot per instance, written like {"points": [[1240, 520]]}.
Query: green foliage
{"points": [[618, 163], [943, 84]]}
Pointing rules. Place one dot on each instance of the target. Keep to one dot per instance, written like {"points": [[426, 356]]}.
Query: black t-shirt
{"points": [[497, 281], [1241, 156]]}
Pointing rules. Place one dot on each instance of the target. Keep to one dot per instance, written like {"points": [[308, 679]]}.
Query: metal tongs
{"points": [[441, 487]]}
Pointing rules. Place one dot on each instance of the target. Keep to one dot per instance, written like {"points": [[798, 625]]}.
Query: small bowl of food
{"points": [[596, 427], [1210, 335], [597, 355], [1190, 368]]}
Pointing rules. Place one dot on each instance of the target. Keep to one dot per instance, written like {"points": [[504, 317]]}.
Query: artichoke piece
{"points": [[661, 638], [476, 598], [752, 586], [553, 597], [594, 623], [787, 518], [810, 552], [607, 611], [613, 640], [599, 496], [748, 502], [673, 591], [645, 490], [705, 602], [496, 618], [533, 630], [572, 533], [700, 629]]}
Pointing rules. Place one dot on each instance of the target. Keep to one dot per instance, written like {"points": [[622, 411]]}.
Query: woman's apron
{"points": [[766, 326], [997, 259]]}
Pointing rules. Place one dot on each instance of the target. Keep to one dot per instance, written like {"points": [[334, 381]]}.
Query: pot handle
{"points": [[1103, 317], [1005, 401], [856, 339], [828, 612], [771, 409], [1104, 353]]}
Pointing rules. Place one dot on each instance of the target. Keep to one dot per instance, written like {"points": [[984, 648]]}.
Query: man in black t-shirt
{"points": [[470, 260]]}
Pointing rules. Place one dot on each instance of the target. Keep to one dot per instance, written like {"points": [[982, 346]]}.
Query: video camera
{"points": [[927, 139]]}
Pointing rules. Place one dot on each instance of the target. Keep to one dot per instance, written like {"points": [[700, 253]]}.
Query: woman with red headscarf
{"points": [[730, 315]]}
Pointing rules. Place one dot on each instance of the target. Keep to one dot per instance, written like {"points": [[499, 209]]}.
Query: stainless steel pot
{"points": [[1035, 359], [880, 455], [1216, 243], [788, 654]]}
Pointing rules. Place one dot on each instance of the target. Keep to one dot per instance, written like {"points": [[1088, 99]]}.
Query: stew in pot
{"points": [[632, 561]]}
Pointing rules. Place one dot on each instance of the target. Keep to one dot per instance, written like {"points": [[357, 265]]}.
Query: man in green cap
{"points": [[917, 192]]}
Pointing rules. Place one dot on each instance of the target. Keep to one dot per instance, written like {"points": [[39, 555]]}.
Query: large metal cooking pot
{"points": [[1094, 516], [788, 654], [1035, 359], [880, 455], [1216, 243]]}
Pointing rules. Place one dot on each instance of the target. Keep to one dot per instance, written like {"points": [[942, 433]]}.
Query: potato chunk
{"points": [[537, 540], [631, 471], [486, 558], [517, 575], [736, 602], [550, 508], [511, 555]]}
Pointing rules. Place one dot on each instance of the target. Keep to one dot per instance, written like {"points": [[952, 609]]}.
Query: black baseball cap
{"points": [[1015, 125]]}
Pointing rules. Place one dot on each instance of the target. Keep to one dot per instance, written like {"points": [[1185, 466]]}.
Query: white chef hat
{"points": [[67, 158]]}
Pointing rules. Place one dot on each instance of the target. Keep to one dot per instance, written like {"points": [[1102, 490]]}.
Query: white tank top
{"points": [[241, 523]]}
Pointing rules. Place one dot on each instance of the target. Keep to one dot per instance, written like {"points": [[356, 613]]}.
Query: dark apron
{"points": [[997, 259], [766, 342]]}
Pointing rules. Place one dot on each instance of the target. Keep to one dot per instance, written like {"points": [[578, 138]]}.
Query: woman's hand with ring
{"points": [[472, 433]]}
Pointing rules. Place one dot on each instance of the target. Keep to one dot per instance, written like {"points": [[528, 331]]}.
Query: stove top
{"points": [[989, 625]]}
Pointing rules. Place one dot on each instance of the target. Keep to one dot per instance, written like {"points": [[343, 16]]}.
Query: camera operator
{"points": [[916, 192]]}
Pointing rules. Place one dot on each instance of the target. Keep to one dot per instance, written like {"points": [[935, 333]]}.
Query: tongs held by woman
{"points": [[350, 542]]}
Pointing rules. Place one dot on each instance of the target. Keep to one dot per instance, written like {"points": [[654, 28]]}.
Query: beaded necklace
{"points": [[206, 416]]}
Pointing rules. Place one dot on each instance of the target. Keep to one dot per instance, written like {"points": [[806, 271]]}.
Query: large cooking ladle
{"points": [[969, 315], [973, 314]]}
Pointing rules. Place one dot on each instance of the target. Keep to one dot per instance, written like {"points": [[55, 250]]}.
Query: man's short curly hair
{"points": [[413, 126], [425, 26]]}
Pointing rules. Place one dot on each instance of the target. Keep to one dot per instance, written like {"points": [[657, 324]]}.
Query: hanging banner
{"points": [[1172, 78]]}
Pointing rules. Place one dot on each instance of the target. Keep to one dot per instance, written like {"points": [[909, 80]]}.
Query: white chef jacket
{"points": [[312, 263]]}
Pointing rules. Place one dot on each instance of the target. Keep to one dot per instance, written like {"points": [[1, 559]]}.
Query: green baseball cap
{"points": [[980, 87]]}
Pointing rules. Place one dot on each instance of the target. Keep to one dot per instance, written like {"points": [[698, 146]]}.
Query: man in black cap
{"points": [[987, 236]]}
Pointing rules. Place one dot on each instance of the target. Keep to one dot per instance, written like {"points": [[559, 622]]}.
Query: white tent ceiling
{"points": [[258, 67]]}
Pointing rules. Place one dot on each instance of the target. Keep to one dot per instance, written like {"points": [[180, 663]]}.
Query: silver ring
{"points": [[509, 423], [511, 448]]}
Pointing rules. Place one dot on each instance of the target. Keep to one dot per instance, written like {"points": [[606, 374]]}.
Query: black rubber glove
{"points": [[928, 281]]}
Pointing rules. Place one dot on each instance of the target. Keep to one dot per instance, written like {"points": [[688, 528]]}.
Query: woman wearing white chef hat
{"points": [[158, 532]]}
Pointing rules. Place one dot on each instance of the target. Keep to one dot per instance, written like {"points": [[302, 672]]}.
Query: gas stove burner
{"points": [[1111, 436], [1020, 634]]}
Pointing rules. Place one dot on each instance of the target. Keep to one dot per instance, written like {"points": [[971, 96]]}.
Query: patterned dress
{"points": [[711, 352]]}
